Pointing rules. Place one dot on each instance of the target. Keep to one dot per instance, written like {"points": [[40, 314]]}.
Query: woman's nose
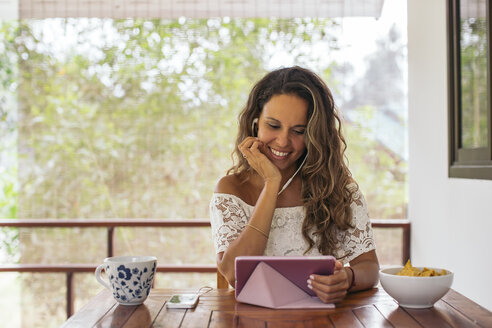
{"points": [[283, 138]]}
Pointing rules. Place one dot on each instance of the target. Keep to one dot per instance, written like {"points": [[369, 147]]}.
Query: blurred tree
{"points": [[9, 237], [474, 85], [376, 126]]}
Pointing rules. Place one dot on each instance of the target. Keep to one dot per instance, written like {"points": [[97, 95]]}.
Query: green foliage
{"points": [[380, 173], [141, 123], [9, 237]]}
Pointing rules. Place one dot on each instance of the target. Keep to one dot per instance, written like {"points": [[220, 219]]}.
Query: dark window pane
{"points": [[473, 52]]}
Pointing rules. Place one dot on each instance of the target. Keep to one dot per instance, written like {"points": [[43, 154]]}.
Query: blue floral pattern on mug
{"points": [[131, 284]]}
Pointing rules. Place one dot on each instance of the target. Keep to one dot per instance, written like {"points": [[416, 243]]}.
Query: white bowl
{"points": [[415, 292]]}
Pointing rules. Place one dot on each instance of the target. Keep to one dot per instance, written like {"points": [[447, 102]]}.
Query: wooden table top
{"points": [[218, 308]]}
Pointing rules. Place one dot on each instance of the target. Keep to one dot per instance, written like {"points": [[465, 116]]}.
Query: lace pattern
{"points": [[229, 215]]}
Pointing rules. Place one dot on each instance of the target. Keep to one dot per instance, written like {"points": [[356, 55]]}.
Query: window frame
{"points": [[470, 163]]}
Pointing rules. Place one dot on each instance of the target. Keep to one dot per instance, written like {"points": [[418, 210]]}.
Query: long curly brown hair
{"points": [[326, 194]]}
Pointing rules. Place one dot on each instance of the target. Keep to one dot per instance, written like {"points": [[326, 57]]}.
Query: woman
{"points": [[290, 192]]}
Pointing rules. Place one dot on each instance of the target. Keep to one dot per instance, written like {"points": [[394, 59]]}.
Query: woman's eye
{"points": [[273, 126], [300, 132]]}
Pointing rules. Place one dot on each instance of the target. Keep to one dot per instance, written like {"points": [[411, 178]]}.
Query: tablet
{"points": [[295, 268]]}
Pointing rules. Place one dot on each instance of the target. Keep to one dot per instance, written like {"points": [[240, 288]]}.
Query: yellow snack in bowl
{"points": [[409, 270], [428, 272]]}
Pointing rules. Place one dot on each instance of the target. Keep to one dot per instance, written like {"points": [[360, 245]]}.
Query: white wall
{"points": [[451, 218]]}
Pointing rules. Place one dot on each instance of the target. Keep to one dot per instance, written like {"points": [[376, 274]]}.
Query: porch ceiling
{"points": [[189, 8]]}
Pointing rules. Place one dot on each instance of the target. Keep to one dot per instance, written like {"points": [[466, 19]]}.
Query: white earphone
{"points": [[292, 177], [253, 125]]}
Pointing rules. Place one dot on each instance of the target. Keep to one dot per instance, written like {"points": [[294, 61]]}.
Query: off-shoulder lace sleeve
{"points": [[359, 239], [228, 217]]}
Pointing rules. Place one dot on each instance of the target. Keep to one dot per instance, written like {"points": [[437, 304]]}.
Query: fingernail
{"points": [[311, 277], [310, 287], [309, 281]]}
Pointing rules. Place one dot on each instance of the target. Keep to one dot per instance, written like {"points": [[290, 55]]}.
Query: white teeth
{"points": [[278, 153]]}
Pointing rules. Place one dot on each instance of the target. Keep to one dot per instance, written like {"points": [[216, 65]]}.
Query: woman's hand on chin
{"points": [[251, 150]]}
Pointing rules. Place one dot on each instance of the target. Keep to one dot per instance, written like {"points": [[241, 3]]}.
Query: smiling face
{"points": [[281, 128]]}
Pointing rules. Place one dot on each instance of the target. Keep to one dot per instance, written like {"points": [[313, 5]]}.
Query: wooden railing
{"points": [[111, 224]]}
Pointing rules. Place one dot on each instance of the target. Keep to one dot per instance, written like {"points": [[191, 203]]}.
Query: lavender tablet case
{"points": [[280, 281]]}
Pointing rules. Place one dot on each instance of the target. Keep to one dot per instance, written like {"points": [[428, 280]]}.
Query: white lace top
{"points": [[229, 215]]}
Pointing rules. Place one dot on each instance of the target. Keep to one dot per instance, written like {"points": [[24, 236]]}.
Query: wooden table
{"points": [[218, 308]]}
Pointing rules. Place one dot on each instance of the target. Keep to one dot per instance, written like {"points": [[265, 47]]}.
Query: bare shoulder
{"points": [[229, 184], [233, 184]]}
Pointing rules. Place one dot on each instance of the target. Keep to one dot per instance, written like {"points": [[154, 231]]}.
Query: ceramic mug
{"points": [[130, 277]]}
